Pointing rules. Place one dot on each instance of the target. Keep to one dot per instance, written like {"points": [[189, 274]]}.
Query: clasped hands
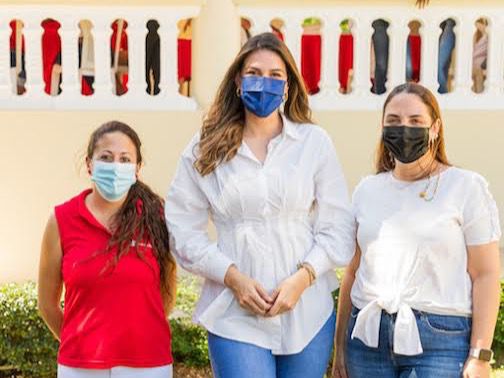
{"points": [[253, 297]]}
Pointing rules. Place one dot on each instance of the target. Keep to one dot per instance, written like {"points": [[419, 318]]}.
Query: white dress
{"points": [[266, 223]]}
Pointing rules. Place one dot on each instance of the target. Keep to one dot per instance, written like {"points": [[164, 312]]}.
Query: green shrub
{"points": [[27, 344], [498, 342], [189, 341], [25, 341]]}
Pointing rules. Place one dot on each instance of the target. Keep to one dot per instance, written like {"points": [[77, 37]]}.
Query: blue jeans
{"points": [[446, 46], [235, 359], [445, 342]]}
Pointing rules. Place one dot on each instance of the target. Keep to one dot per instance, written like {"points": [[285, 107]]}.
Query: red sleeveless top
{"points": [[112, 317]]}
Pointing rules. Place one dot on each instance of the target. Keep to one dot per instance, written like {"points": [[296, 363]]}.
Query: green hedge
{"points": [[26, 343], [498, 343], [189, 341]]}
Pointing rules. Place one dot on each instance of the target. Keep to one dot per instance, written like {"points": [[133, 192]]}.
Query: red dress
{"points": [[12, 40], [184, 59], [112, 317], [415, 43], [311, 51], [345, 59], [51, 51]]}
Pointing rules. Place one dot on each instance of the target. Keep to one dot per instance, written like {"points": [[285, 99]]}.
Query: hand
{"points": [[248, 292], [339, 364], [287, 294], [475, 368], [422, 3]]}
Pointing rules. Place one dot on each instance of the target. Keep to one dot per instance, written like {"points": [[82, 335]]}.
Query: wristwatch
{"points": [[481, 354]]}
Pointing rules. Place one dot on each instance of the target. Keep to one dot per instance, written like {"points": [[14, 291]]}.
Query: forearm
{"points": [[53, 317], [486, 297], [344, 308]]}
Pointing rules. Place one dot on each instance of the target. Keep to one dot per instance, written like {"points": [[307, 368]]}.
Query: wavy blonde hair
{"points": [[222, 130]]}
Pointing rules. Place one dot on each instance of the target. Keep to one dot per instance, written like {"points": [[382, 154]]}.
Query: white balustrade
{"points": [[329, 98], [101, 19]]}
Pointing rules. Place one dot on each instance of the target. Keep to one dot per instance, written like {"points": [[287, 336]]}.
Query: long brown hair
{"points": [[140, 218], [222, 130], [384, 160]]}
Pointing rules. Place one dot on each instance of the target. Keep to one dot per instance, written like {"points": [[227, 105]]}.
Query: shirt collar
{"points": [[289, 128], [86, 213]]}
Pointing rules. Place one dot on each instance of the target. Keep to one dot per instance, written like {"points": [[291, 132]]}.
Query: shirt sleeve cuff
{"points": [[217, 266], [320, 262]]}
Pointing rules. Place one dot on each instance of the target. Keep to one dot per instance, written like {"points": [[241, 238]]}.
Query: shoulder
{"points": [[312, 132], [471, 185], [52, 223], [72, 203], [65, 211], [191, 149], [369, 184], [466, 177]]}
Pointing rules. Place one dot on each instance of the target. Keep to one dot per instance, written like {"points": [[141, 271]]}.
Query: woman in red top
{"points": [[108, 247]]}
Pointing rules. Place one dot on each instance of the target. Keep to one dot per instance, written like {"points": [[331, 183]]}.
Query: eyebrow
{"points": [[258, 69], [110, 152], [411, 116]]}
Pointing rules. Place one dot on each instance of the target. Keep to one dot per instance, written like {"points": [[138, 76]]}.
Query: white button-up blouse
{"points": [[269, 217]]}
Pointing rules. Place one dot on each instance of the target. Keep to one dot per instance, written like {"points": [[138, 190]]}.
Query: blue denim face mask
{"points": [[113, 180], [262, 95]]}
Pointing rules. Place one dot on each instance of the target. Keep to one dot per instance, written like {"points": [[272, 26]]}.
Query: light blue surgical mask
{"points": [[262, 95], [113, 180]]}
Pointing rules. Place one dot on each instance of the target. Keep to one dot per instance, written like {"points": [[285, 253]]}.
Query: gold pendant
{"points": [[422, 194]]}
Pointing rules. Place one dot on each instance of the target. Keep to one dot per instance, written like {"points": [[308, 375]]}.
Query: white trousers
{"points": [[116, 372]]}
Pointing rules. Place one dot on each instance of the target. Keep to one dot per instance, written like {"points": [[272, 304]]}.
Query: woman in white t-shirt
{"points": [[421, 296]]}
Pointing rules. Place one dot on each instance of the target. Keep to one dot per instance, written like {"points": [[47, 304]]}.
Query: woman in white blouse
{"points": [[272, 185], [421, 295]]}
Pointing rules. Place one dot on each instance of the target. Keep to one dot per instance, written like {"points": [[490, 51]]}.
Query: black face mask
{"points": [[406, 143]]}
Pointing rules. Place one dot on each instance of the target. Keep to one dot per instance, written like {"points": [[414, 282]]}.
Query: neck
{"points": [[416, 170], [105, 209], [262, 127]]}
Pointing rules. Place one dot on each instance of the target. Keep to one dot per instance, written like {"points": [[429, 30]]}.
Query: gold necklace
{"points": [[423, 193]]}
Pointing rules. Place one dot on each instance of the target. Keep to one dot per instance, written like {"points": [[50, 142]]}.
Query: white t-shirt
{"points": [[414, 252]]}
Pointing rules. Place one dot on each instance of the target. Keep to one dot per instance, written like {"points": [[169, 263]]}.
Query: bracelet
{"points": [[311, 272]]}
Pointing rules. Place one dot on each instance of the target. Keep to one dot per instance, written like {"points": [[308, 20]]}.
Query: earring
{"points": [[238, 92], [285, 97], [432, 142]]}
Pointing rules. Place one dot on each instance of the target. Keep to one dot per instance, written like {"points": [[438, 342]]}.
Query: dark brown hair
{"points": [[140, 218], [222, 130], [384, 159]]}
